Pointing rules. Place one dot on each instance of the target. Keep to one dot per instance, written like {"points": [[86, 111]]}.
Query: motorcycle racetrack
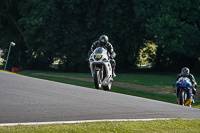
{"points": [[25, 99]]}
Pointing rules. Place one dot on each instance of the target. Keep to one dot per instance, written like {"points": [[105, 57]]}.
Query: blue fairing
{"points": [[184, 82]]}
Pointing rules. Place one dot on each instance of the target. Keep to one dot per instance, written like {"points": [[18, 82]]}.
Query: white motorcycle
{"points": [[101, 68]]}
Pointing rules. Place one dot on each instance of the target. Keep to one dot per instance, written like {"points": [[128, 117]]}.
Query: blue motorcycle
{"points": [[184, 91]]}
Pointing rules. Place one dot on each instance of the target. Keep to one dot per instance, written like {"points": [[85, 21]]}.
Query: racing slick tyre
{"points": [[97, 79], [108, 87], [182, 97]]}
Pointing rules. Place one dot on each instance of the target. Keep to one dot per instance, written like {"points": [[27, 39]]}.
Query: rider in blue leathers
{"points": [[185, 72]]}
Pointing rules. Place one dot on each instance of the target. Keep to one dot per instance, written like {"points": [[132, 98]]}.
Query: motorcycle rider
{"points": [[185, 72], [103, 42]]}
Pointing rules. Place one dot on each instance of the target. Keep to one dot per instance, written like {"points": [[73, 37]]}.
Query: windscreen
{"points": [[184, 81], [100, 50]]}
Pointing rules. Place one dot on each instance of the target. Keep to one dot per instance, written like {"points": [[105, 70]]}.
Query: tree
{"points": [[11, 31], [65, 29], [174, 25]]}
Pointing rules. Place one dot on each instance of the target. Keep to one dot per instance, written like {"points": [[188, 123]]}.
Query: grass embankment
{"points": [[157, 126], [148, 85]]}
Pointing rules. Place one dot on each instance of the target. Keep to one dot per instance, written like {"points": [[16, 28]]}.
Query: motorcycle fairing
{"points": [[100, 59], [185, 82]]}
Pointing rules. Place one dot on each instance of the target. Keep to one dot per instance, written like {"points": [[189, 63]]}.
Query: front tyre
{"points": [[182, 97], [97, 79], [108, 87]]}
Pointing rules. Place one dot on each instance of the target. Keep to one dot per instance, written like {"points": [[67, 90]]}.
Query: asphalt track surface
{"points": [[26, 99]]}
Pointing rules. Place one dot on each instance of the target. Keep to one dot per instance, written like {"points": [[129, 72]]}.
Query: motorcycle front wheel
{"points": [[97, 79], [182, 97], [108, 87]]}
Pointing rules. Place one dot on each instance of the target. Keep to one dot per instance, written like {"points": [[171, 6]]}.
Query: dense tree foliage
{"points": [[65, 29], [174, 26]]}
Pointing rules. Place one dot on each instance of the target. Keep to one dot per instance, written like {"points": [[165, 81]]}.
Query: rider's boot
{"points": [[194, 93], [193, 101], [113, 73]]}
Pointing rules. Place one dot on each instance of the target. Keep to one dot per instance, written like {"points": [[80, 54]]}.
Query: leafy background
{"points": [[164, 34]]}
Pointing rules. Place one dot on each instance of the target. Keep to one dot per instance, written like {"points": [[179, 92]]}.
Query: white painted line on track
{"points": [[81, 121]]}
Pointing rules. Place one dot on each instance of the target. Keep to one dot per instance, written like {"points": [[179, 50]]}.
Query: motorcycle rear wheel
{"points": [[97, 79]]}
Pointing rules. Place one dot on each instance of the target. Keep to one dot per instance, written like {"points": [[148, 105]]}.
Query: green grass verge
{"points": [[156, 126], [127, 91], [143, 79], [146, 79]]}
